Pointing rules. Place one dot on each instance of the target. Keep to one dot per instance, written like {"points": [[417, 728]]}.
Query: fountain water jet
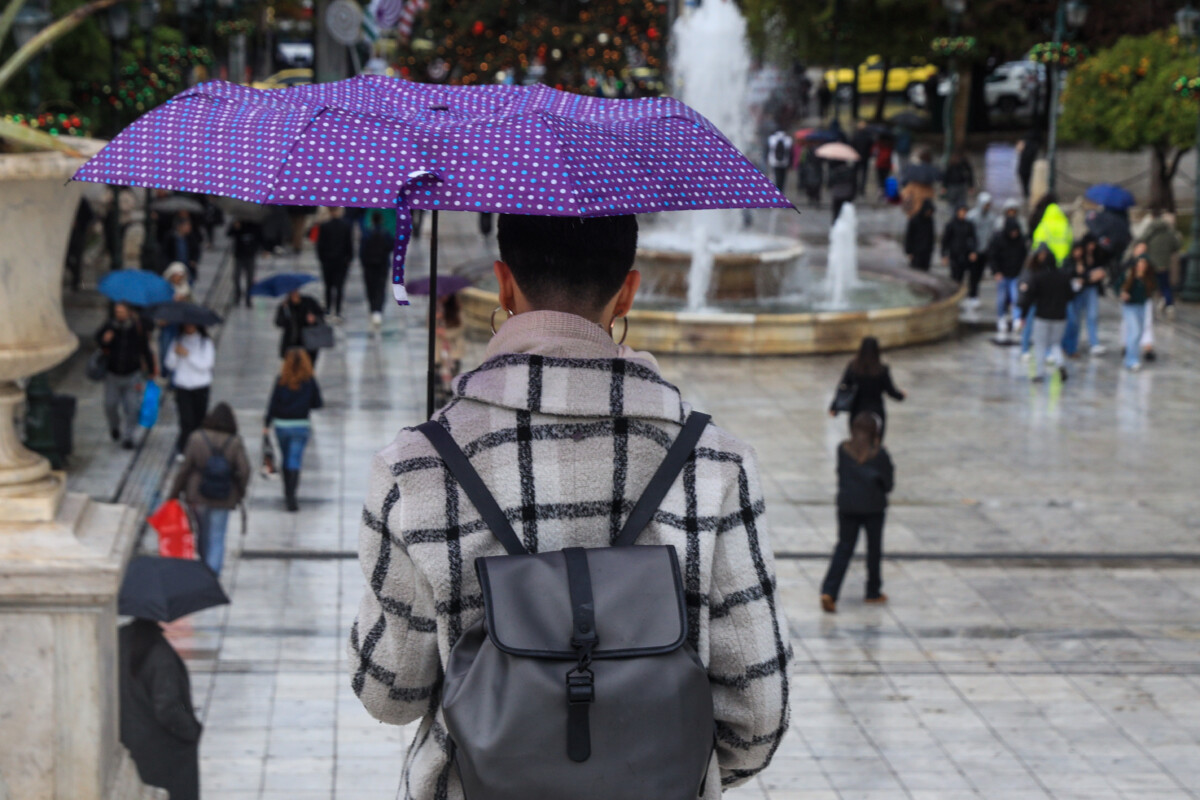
{"points": [[841, 271]]}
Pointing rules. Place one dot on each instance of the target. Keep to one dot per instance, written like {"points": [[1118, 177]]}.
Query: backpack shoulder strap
{"points": [[460, 467], [663, 479]]}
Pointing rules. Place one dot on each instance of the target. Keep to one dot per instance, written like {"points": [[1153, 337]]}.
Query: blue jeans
{"points": [[1085, 307], [292, 440], [1027, 331], [210, 535], [1164, 287], [1007, 292], [1133, 315]]}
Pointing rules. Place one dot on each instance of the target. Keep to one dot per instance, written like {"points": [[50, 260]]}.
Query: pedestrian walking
{"points": [[918, 182], [127, 361], [182, 244], [960, 251], [958, 180], [869, 379], [247, 243], [920, 238], [159, 726], [1162, 244], [294, 397], [824, 98], [779, 157], [881, 156], [1135, 289], [865, 477], [1006, 255], [1051, 228], [812, 175], [297, 312], [1085, 306], [603, 414], [191, 360], [375, 253], [335, 251], [212, 480], [1012, 210], [1045, 293], [1027, 154], [904, 141], [987, 223], [863, 142], [177, 275], [842, 186]]}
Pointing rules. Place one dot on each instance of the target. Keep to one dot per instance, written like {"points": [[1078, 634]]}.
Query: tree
{"points": [[1123, 98]]}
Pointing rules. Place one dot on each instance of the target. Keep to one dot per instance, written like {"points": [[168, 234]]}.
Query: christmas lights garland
{"points": [[1063, 54], [53, 124], [953, 45], [1187, 88]]}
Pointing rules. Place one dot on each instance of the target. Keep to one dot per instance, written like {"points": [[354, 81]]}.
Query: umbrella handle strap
{"points": [[419, 180]]}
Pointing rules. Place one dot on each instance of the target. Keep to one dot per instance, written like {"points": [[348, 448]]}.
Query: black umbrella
{"points": [[921, 173], [176, 313], [909, 119], [166, 589]]}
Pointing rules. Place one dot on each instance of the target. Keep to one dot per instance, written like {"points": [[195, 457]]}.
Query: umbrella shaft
{"points": [[433, 295]]}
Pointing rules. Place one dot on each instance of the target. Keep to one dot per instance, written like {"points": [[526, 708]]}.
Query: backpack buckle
{"points": [[581, 687]]}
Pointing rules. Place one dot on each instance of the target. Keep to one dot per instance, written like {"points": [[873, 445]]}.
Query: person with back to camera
{"points": [[294, 397], [873, 380], [565, 426], [920, 237], [865, 477]]}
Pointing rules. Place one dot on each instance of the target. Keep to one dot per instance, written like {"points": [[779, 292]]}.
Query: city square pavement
{"points": [[1043, 634]]}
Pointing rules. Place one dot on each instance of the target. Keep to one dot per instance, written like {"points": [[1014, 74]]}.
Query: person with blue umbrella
{"points": [[127, 358]]}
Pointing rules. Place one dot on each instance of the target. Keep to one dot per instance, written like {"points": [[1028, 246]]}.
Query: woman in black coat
{"points": [[158, 724], [920, 238], [295, 313], [873, 380], [865, 476]]}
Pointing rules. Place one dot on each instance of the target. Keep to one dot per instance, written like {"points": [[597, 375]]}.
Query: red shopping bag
{"points": [[175, 539]]}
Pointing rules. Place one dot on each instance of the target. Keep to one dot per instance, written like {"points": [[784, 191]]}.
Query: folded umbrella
{"points": [[177, 203], [136, 287], [176, 313], [166, 589], [447, 285], [837, 151], [1110, 195], [280, 284]]}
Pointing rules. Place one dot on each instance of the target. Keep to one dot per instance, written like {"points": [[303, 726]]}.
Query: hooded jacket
{"points": [[1048, 288], [1054, 231], [919, 237], [984, 218], [1008, 251], [958, 240], [1162, 242]]}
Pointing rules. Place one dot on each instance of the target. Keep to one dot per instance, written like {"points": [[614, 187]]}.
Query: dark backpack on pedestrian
{"points": [[578, 682], [781, 150], [216, 478]]}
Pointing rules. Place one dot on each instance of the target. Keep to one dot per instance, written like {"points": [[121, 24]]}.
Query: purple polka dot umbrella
{"points": [[377, 142]]}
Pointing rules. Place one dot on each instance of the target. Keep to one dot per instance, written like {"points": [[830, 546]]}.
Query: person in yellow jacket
{"points": [[1053, 229]]}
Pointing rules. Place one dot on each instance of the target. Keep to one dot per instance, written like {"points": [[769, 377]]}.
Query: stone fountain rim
{"points": [[40, 165]]}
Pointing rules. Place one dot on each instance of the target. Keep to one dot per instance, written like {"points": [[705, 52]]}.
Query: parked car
{"points": [[286, 78], [901, 76], [1014, 86]]}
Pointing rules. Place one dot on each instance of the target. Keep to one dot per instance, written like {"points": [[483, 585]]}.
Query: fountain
{"points": [[710, 286]]}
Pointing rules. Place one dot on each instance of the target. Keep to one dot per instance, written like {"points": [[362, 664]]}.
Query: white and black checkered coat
{"points": [[565, 430]]}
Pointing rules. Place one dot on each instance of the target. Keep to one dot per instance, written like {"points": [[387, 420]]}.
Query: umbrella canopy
{"points": [[166, 589], [176, 313], [280, 284], [909, 119], [1110, 195], [837, 151], [136, 287], [446, 285], [921, 173], [378, 142], [820, 135], [177, 203]]}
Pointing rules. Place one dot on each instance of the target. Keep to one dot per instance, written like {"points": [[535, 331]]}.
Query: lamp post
{"points": [[1188, 20], [147, 12], [956, 8], [1071, 16], [29, 21]]}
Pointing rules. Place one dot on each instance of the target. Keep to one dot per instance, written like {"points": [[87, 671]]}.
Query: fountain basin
{"points": [[777, 334], [759, 270]]}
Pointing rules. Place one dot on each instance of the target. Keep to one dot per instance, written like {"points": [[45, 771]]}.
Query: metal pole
{"points": [[948, 110], [1191, 283], [433, 299], [1055, 79]]}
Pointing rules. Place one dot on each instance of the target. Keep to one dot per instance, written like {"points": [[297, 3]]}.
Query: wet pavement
{"points": [[1043, 634]]}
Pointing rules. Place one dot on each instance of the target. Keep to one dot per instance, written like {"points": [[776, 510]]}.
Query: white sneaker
{"points": [[1098, 350], [1026, 357], [376, 319], [1135, 368]]}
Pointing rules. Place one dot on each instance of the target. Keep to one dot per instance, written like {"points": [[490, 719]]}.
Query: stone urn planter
{"points": [[37, 205]]}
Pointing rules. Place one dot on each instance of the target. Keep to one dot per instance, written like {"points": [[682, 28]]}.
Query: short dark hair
{"points": [[565, 263]]}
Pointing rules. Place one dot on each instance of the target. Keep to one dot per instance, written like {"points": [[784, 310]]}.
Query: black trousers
{"points": [[333, 273], [848, 527], [779, 175], [921, 259], [972, 270], [243, 272], [191, 406], [375, 281]]}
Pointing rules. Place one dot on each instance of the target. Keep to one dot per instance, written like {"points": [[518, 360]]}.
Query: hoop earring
{"points": [[494, 310], [624, 332]]}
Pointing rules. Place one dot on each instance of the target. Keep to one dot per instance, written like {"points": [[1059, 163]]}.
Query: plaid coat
{"points": [[566, 429]]}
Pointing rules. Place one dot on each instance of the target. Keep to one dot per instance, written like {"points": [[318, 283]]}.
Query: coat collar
{"points": [[555, 363]]}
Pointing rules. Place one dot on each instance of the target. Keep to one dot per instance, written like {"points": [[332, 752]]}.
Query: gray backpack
{"points": [[578, 682]]}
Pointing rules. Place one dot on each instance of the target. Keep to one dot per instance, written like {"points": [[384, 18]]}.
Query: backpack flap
{"points": [[528, 608]]}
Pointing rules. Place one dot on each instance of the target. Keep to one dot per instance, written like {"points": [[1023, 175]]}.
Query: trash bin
{"points": [[49, 421]]}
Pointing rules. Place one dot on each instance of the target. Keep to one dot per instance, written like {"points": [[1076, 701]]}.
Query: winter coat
{"points": [[293, 404], [129, 350], [158, 724], [958, 240], [1112, 232], [200, 446], [247, 239], [842, 181], [863, 488], [919, 236], [959, 173], [871, 389], [335, 241], [565, 428], [862, 141], [1054, 231], [812, 171], [1050, 290], [1162, 242], [985, 220], [293, 319], [914, 195], [1007, 251], [376, 250]]}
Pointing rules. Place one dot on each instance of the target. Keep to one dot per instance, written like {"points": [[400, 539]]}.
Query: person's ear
{"points": [[626, 293], [508, 285]]}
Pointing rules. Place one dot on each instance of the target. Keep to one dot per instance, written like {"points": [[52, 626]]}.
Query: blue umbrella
{"points": [[136, 287], [1110, 195], [281, 284]]}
